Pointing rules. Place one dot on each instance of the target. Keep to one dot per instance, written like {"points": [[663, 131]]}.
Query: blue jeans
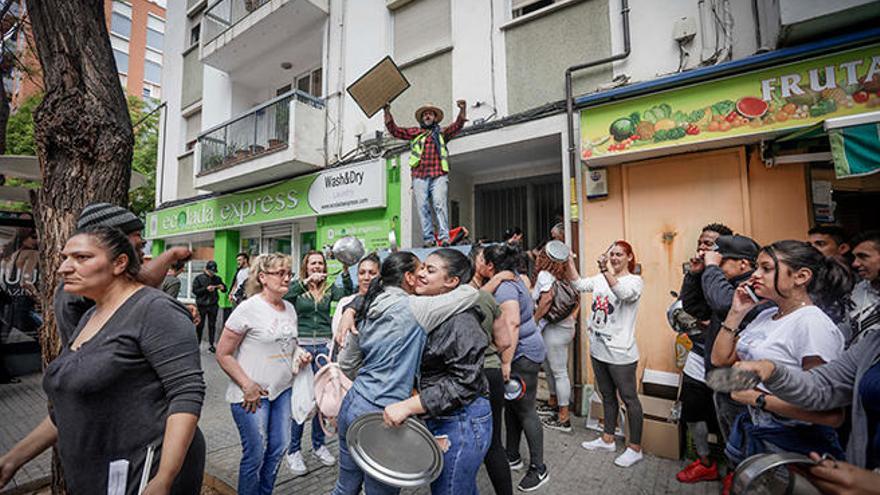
{"points": [[351, 477], [264, 436], [296, 429], [432, 191], [470, 432]]}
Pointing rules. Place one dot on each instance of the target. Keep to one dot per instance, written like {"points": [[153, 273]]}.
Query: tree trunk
{"points": [[83, 136]]}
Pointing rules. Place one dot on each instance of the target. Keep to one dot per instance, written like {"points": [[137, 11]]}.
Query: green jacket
{"points": [[313, 317]]}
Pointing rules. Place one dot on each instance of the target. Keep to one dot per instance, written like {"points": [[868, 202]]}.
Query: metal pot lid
{"points": [[407, 456], [557, 251], [515, 388], [767, 474]]}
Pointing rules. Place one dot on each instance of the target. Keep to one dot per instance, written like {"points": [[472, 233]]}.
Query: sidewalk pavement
{"points": [[572, 469]]}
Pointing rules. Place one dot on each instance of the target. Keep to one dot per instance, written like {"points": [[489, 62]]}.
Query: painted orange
{"points": [[137, 47], [661, 205]]}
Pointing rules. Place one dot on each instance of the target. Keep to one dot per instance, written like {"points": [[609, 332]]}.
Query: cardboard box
{"points": [[596, 419], [661, 434], [661, 384]]}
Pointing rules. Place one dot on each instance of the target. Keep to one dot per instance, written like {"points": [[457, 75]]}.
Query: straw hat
{"points": [[438, 113]]}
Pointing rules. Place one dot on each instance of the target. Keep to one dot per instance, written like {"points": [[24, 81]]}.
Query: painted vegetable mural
{"points": [[791, 96]]}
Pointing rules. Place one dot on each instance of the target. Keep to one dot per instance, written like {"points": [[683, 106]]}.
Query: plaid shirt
{"points": [[429, 165]]}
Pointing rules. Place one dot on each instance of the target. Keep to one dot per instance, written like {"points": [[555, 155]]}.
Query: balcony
{"points": [[236, 33], [276, 139]]}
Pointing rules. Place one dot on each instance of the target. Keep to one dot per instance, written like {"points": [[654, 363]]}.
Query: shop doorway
{"points": [[533, 204]]}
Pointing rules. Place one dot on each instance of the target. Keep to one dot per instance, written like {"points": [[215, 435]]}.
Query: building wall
{"points": [[538, 52]]}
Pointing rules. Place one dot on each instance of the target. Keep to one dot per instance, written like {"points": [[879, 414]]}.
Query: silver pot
{"points": [[347, 250], [769, 474], [557, 251]]}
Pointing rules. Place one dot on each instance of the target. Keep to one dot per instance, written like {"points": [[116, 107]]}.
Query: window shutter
{"points": [[421, 27]]}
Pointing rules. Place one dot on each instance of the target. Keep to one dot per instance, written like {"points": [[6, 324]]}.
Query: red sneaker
{"points": [[696, 472], [727, 484]]}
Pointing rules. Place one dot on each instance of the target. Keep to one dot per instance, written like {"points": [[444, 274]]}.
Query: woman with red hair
{"points": [[613, 351]]}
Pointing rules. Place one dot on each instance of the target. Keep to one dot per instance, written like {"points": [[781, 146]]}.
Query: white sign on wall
{"points": [[357, 187]]}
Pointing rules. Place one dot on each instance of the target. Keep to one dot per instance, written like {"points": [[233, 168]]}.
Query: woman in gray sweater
{"points": [[127, 389]]}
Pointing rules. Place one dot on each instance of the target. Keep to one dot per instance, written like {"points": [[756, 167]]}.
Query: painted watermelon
{"points": [[751, 107]]}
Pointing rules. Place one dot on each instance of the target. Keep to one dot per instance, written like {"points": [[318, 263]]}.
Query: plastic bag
{"points": [[302, 395]]}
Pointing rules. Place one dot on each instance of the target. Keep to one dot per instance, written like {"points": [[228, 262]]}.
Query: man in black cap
{"points": [[70, 308], [205, 288], [708, 291]]}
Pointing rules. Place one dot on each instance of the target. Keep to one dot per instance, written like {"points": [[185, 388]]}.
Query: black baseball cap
{"points": [[211, 265], [737, 247]]}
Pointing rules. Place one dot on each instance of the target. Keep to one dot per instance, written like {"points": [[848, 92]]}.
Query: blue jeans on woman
{"points": [[469, 431], [351, 477], [264, 438], [296, 429]]}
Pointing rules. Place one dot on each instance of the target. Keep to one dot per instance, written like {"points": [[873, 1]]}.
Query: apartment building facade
{"points": [[258, 121], [137, 35]]}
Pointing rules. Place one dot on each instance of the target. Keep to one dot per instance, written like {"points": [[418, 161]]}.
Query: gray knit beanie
{"points": [[109, 215]]}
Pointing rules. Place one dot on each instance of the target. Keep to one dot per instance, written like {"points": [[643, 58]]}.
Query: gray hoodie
{"points": [[833, 385]]}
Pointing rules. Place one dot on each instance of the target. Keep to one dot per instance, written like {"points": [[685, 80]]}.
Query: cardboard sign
{"points": [[378, 86]]}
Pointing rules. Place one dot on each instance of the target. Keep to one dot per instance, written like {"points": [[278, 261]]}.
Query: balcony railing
{"points": [[223, 14], [262, 130]]}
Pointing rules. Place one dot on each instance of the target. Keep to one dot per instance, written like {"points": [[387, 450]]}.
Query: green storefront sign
{"points": [[789, 96], [357, 187]]}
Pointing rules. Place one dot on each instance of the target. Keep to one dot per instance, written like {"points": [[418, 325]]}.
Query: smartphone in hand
{"points": [[751, 293]]}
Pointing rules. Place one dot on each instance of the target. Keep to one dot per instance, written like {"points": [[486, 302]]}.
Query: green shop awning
{"points": [[855, 150]]}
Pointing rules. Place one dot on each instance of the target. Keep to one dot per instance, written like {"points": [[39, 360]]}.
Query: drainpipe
{"points": [[569, 97], [573, 162]]}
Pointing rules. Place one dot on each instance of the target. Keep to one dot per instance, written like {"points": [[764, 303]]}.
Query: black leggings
{"points": [[209, 317], [521, 416], [496, 459], [613, 379]]}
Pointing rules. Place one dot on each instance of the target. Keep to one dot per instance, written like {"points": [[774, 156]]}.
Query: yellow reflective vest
{"points": [[417, 146]]}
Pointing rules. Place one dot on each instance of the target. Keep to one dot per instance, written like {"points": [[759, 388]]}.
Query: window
{"points": [[317, 90], [154, 39], [152, 72], [120, 24], [147, 92], [283, 89], [155, 32], [309, 83], [121, 61], [523, 7], [195, 33], [304, 84]]}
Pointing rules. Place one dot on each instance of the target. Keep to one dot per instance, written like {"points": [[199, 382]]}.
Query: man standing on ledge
{"points": [[428, 162]]}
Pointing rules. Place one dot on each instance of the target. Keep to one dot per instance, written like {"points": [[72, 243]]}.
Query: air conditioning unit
{"points": [[789, 22]]}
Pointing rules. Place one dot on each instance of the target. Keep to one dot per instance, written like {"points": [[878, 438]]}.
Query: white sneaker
{"points": [[296, 464], [628, 458], [599, 444], [324, 456]]}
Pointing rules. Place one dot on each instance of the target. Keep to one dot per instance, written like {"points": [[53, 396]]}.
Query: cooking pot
{"points": [[557, 251], [347, 250], [769, 474]]}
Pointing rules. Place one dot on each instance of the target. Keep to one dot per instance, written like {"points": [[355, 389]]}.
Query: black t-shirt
{"points": [[69, 309]]}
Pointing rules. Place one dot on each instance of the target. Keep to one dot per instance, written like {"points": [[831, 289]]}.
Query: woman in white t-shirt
{"points": [[613, 351], [257, 350], [797, 333], [557, 340]]}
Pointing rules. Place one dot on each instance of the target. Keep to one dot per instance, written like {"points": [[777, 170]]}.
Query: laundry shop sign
{"points": [[337, 190]]}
